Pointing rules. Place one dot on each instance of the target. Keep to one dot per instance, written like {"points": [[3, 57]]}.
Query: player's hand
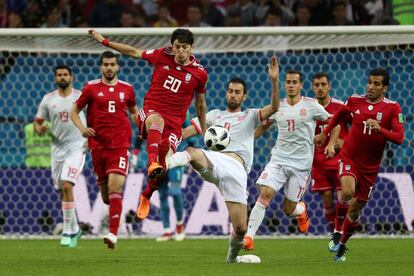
{"points": [[88, 132], [319, 139], [329, 151], [97, 36], [339, 143], [373, 125], [273, 69]]}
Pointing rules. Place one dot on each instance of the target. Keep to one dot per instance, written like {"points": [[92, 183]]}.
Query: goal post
{"points": [[29, 205]]}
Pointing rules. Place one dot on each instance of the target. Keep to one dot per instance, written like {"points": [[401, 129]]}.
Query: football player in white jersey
{"points": [[292, 156], [68, 147], [228, 169]]}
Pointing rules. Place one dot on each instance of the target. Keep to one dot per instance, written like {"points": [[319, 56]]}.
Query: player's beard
{"points": [[63, 84], [233, 105], [110, 77]]}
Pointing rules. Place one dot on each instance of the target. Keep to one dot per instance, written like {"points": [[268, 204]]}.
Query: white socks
{"points": [[70, 222], [300, 208], [178, 159], [256, 217]]}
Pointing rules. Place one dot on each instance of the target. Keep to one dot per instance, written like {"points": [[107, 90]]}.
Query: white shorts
{"points": [[68, 169], [229, 176], [295, 182]]}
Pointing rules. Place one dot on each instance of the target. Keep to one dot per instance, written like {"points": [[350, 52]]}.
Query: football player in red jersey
{"points": [[325, 162], [375, 120], [176, 79], [109, 134]]}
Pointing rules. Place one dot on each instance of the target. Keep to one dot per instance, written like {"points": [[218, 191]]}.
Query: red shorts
{"points": [[106, 161], [325, 180], [172, 131], [365, 181]]}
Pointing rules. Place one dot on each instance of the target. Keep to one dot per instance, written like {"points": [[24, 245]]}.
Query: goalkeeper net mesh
{"points": [[30, 205]]}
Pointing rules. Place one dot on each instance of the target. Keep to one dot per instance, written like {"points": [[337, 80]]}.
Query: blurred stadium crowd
{"points": [[202, 13]]}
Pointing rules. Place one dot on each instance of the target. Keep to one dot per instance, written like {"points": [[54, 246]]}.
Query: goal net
{"points": [[30, 206]]}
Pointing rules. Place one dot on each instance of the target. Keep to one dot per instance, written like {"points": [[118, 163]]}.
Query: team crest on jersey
{"points": [[121, 96], [302, 112], [187, 77], [379, 116]]}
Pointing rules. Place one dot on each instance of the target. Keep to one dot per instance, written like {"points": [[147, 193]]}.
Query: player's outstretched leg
{"points": [[333, 245]]}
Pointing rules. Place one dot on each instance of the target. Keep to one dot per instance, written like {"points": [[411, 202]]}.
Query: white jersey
{"points": [[241, 126], [294, 145], [66, 137]]}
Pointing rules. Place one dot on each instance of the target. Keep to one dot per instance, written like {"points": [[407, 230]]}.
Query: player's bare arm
{"points": [[189, 131], [330, 147], [273, 71], [39, 128], [133, 112], [120, 47], [260, 130], [201, 110], [74, 115]]}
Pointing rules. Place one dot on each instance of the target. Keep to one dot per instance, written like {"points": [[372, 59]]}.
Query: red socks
{"points": [[341, 211], [330, 217], [115, 210], [349, 229], [153, 139]]}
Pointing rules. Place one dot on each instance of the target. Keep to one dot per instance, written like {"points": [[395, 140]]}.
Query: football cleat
{"points": [[155, 169], [165, 237], [248, 243], [74, 238], [65, 240], [303, 219], [340, 256], [179, 232], [110, 240], [333, 245], [143, 207]]}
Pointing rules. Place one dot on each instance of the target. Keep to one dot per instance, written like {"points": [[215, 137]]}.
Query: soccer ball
{"points": [[217, 138]]}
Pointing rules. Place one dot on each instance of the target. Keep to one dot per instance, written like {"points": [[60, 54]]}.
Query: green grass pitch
{"points": [[204, 257]]}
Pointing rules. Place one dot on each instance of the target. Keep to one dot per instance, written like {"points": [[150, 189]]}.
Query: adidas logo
{"points": [[115, 216], [357, 112], [100, 94], [166, 67]]}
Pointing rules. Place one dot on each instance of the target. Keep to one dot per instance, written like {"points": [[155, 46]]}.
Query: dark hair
{"points": [[381, 72], [321, 75], [238, 80], [292, 71], [108, 54], [61, 67], [183, 36]]}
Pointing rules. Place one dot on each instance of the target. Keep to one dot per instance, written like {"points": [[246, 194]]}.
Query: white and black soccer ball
{"points": [[217, 138]]}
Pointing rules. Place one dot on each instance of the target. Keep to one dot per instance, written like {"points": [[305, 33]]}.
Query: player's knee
{"points": [[240, 230], [67, 188], [105, 199]]}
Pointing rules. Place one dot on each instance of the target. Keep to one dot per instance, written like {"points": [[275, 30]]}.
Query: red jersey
{"points": [[320, 160], [107, 113], [173, 85], [364, 146]]}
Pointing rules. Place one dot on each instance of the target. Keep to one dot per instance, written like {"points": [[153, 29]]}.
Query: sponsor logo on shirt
{"points": [[379, 116], [400, 118], [302, 112], [178, 68], [357, 112], [187, 77]]}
